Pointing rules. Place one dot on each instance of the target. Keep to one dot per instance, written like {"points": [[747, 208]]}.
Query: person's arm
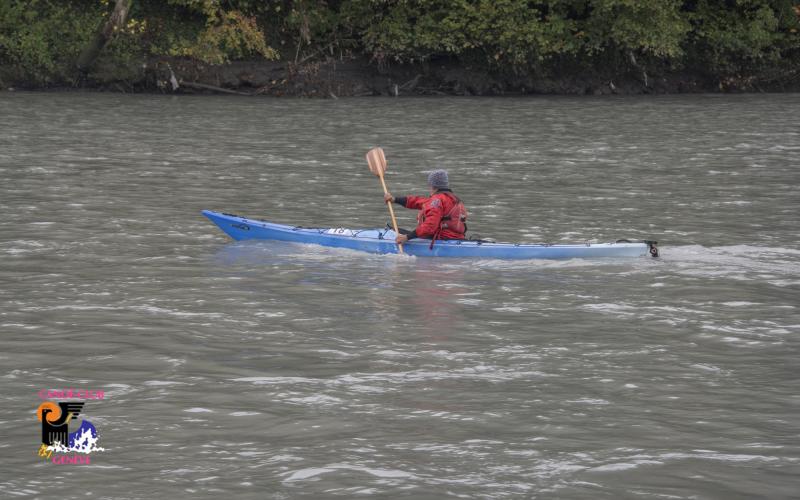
{"points": [[400, 200], [412, 202]]}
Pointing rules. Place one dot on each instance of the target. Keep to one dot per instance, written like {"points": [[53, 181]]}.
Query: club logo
{"points": [[60, 445]]}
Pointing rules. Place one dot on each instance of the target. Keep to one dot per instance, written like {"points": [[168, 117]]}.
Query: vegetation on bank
{"points": [[41, 41]]}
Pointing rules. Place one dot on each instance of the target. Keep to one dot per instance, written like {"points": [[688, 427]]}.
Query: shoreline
{"points": [[333, 78]]}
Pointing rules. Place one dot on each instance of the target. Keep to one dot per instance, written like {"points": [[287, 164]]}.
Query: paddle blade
{"points": [[376, 161]]}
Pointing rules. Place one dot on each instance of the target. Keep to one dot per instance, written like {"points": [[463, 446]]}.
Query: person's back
{"points": [[442, 214]]}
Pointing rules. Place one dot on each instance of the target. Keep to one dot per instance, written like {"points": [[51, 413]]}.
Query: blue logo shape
{"points": [[79, 439]]}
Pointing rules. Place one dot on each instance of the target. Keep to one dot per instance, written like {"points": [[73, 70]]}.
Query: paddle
{"points": [[377, 165]]}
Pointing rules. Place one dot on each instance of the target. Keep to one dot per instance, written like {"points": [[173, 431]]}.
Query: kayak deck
{"points": [[382, 241]]}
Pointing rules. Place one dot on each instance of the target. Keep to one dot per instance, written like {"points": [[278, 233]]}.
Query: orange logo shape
{"points": [[53, 415]]}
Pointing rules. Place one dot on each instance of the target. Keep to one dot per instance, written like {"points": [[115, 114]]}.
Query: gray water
{"points": [[267, 370]]}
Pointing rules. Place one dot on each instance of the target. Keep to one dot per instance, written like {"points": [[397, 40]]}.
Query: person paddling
{"points": [[442, 216]]}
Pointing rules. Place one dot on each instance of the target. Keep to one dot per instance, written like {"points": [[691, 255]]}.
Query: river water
{"points": [[266, 370]]}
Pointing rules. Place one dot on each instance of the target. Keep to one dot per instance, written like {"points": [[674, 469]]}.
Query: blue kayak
{"points": [[382, 241]]}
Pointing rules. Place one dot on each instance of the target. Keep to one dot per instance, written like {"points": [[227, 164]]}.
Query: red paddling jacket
{"points": [[441, 217]]}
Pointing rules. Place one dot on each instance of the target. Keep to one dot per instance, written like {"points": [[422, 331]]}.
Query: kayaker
{"points": [[441, 216]]}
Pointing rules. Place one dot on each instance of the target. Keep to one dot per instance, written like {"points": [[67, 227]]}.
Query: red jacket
{"points": [[431, 210]]}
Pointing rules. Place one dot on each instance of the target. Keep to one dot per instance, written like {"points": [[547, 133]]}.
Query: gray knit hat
{"points": [[438, 179]]}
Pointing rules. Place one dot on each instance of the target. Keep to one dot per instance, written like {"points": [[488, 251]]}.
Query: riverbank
{"points": [[356, 48], [357, 77]]}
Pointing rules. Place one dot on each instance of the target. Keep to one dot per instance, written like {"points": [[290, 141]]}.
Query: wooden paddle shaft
{"points": [[391, 212]]}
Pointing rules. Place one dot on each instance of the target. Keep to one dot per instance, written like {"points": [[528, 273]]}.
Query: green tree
{"points": [[744, 35], [41, 39]]}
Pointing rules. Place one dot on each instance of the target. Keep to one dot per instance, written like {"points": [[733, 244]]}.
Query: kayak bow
{"points": [[382, 241]]}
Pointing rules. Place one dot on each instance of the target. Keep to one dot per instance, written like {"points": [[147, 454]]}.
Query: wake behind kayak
{"points": [[381, 241]]}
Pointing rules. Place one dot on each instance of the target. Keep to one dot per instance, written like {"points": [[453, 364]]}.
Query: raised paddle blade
{"points": [[377, 165], [376, 161]]}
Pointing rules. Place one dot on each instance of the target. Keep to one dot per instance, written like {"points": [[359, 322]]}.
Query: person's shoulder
{"points": [[435, 201], [447, 195]]}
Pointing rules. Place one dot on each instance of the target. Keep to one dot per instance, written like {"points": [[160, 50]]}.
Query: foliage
{"points": [[206, 30], [500, 32], [40, 39], [650, 28], [227, 35], [744, 35], [726, 35]]}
